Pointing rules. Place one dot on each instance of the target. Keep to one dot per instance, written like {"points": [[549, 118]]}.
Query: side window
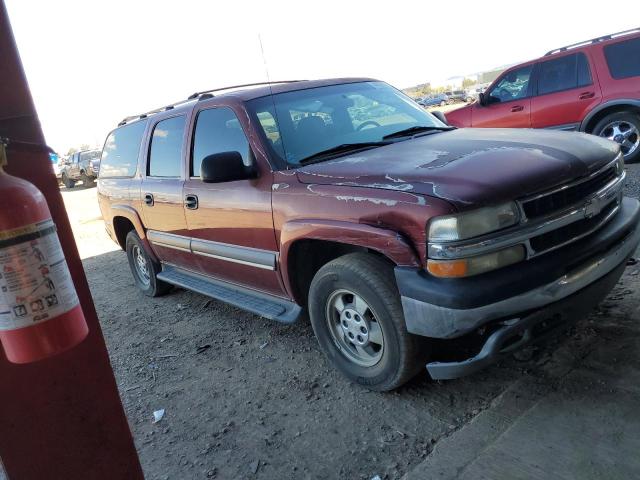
{"points": [[623, 59], [513, 86], [120, 152], [564, 73], [218, 130], [165, 153]]}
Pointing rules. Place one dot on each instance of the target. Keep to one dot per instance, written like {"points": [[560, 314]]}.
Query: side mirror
{"points": [[440, 116], [225, 167], [482, 99]]}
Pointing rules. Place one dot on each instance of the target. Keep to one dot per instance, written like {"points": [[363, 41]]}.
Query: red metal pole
{"points": [[60, 418]]}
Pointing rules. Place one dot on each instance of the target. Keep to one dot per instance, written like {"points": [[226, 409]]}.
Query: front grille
{"points": [[552, 239], [564, 198]]}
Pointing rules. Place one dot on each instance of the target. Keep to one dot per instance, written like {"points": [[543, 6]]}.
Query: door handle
{"points": [[191, 202], [586, 95], [517, 108], [148, 199]]}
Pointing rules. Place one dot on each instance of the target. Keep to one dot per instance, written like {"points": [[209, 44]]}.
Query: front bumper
{"points": [[534, 327], [519, 297], [450, 308]]}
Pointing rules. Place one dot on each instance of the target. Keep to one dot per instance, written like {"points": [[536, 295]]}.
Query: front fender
{"points": [[387, 242]]}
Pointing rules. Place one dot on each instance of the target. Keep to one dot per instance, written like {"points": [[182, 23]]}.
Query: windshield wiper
{"points": [[340, 149], [417, 129]]}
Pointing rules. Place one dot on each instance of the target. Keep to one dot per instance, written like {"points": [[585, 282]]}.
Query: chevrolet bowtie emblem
{"points": [[591, 208]]}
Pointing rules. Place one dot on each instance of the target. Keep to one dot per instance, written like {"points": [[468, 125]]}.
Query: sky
{"points": [[90, 63]]}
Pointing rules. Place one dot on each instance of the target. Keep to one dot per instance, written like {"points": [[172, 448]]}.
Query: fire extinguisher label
{"points": [[35, 283]]}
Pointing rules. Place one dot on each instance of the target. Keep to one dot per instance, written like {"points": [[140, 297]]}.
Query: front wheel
{"points": [[357, 317], [67, 182], [622, 128]]}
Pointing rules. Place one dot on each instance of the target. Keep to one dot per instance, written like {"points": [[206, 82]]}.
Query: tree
{"points": [[85, 146], [71, 151], [467, 82]]}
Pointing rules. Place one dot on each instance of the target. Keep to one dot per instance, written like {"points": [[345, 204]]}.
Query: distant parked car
{"points": [[81, 166], [432, 100], [592, 87], [456, 96]]}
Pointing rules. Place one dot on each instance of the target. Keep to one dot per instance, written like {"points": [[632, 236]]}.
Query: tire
{"points": [[149, 284], [400, 355], [88, 181], [67, 182], [626, 122]]}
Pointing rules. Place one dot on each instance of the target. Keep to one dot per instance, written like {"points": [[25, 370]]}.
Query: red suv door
{"points": [[508, 101], [565, 92], [230, 223]]}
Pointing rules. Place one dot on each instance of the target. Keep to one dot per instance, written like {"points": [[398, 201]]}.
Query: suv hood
{"points": [[470, 167]]}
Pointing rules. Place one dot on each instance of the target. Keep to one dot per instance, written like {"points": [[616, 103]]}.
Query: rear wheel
{"points": [[88, 181], [143, 268], [622, 128], [357, 317], [67, 182]]}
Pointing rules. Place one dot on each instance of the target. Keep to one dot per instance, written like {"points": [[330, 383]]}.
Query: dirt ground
{"points": [[248, 398]]}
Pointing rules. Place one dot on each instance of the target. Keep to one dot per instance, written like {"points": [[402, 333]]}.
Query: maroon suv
{"points": [[345, 199], [592, 87]]}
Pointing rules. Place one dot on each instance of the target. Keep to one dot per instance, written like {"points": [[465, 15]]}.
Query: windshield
{"points": [[92, 155], [306, 122]]}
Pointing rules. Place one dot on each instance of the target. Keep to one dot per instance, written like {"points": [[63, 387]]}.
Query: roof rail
{"points": [[151, 112], [198, 95], [193, 96], [593, 40]]}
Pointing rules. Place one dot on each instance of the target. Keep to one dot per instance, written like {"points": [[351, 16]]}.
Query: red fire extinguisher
{"points": [[40, 314]]}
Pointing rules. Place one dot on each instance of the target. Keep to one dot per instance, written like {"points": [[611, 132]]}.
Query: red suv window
{"points": [[623, 59], [564, 73]]}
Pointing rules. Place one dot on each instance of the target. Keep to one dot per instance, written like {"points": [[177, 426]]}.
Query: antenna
{"points": [[275, 111]]}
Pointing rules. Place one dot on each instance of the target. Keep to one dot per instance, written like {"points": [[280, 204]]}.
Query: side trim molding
{"points": [[252, 257]]}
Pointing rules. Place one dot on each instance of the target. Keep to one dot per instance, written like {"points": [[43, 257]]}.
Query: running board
{"points": [[268, 306]]}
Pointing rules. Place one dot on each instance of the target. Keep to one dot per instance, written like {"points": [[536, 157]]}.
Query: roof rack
{"points": [[593, 40], [199, 96], [193, 96], [151, 112]]}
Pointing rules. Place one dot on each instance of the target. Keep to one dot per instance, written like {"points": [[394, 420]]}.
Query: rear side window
{"points": [[623, 59], [120, 152], [564, 73], [217, 130], [165, 153]]}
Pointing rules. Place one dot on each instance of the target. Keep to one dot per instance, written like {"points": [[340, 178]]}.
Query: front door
{"points": [[508, 102], [566, 92], [161, 192], [230, 223]]}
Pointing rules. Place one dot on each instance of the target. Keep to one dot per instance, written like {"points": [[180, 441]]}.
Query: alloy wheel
{"points": [[625, 133]]}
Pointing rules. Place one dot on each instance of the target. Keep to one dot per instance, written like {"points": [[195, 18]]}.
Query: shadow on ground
{"points": [[248, 398]]}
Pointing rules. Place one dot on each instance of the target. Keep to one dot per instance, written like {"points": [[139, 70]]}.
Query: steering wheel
{"points": [[368, 123]]}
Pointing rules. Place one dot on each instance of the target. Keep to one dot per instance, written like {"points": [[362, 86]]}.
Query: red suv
{"points": [[396, 233], [592, 87]]}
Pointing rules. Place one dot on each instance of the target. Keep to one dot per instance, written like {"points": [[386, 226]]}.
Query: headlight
{"points": [[466, 267], [473, 223]]}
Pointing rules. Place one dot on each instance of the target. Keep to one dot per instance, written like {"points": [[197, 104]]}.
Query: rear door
{"points": [[565, 92], [161, 191], [231, 223], [508, 102]]}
